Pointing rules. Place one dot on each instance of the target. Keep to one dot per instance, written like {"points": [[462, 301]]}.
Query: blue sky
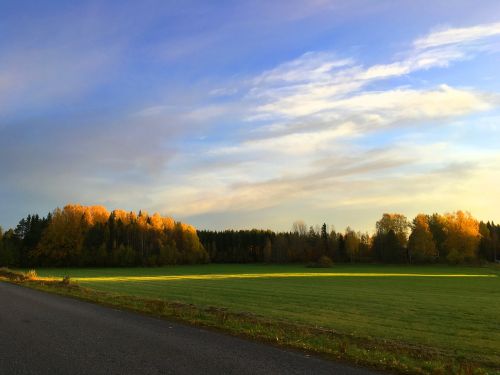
{"points": [[234, 114]]}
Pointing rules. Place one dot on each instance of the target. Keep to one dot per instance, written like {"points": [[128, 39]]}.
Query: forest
{"points": [[455, 238], [91, 236]]}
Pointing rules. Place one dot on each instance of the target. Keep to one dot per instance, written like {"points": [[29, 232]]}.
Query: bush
{"points": [[325, 262], [322, 262], [31, 275], [12, 275], [66, 280]]}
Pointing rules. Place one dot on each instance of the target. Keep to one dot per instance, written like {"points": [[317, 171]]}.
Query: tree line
{"points": [[454, 238], [91, 236]]}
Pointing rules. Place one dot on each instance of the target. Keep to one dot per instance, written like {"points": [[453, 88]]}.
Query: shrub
{"points": [[325, 262], [31, 275], [12, 275], [322, 262]]}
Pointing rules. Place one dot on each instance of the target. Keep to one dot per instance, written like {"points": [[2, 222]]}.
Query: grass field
{"points": [[455, 309]]}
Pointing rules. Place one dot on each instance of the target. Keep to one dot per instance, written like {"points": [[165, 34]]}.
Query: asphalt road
{"points": [[41, 333]]}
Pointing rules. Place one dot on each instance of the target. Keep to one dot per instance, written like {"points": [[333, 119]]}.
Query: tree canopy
{"points": [[79, 235]]}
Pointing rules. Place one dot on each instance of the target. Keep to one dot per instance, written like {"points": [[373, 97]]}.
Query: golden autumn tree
{"points": [[462, 237], [63, 239], [187, 242]]}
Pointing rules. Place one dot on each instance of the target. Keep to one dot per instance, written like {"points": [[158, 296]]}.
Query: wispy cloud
{"points": [[457, 36], [315, 82]]}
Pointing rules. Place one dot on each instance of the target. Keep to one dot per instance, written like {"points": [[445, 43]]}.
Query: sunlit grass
{"points": [[265, 275]]}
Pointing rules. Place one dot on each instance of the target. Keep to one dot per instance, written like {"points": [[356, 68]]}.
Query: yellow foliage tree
{"points": [[462, 237]]}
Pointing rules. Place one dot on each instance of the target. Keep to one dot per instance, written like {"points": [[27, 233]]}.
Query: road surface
{"points": [[42, 333]]}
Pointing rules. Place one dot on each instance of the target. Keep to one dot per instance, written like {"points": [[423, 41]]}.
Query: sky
{"points": [[251, 114]]}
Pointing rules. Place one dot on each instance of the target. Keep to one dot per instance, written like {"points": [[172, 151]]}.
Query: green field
{"points": [[456, 309]]}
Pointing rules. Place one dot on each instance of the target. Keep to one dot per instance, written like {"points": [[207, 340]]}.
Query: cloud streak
{"points": [[314, 82], [458, 36]]}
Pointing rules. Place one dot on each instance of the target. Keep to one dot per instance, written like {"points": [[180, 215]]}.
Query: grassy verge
{"points": [[381, 354]]}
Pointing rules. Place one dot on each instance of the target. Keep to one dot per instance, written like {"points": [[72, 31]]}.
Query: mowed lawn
{"points": [[451, 308]]}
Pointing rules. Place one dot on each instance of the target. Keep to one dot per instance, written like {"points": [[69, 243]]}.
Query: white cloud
{"points": [[407, 104], [311, 66], [459, 35], [298, 144], [369, 110], [313, 82]]}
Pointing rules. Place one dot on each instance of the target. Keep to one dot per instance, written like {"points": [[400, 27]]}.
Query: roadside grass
{"points": [[407, 319]]}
